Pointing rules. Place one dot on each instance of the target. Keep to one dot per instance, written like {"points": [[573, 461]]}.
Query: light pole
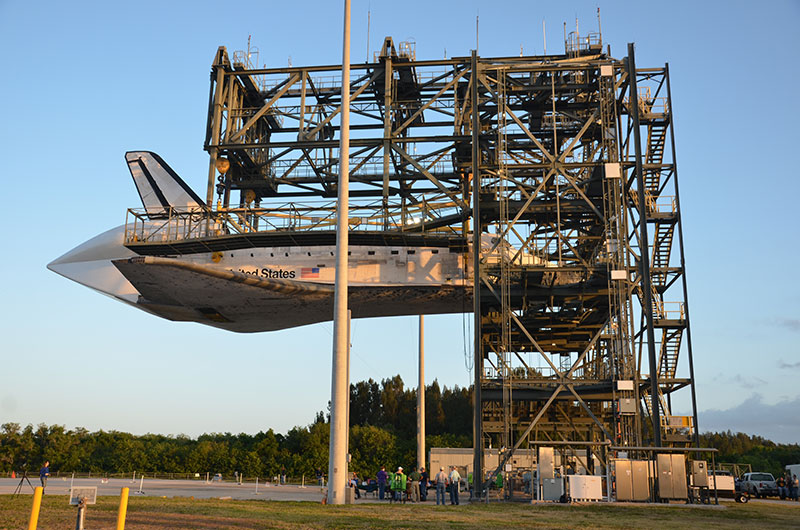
{"points": [[340, 386], [421, 397]]}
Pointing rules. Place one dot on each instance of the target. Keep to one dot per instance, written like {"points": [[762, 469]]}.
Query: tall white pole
{"points": [[421, 397], [337, 450], [347, 422]]}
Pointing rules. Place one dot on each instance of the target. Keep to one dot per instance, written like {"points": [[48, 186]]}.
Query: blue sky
{"points": [[83, 82]]}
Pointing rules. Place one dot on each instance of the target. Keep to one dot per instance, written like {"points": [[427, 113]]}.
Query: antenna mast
{"points": [[599, 26], [544, 37], [477, 38]]}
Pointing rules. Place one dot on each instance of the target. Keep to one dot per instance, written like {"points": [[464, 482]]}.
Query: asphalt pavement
{"points": [[198, 489]]}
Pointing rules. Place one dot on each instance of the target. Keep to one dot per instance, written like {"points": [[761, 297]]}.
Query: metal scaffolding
{"points": [[559, 171]]}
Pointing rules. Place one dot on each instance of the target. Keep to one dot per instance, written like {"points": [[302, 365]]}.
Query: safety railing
{"points": [[169, 225], [405, 50], [245, 57], [668, 310], [248, 60], [372, 165], [408, 49], [650, 107], [661, 204], [575, 43]]}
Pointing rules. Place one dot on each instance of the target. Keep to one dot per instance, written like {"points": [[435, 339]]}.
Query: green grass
{"points": [[162, 513]]}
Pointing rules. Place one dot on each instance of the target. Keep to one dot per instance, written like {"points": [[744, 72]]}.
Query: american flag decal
{"points": [[309, 272]]}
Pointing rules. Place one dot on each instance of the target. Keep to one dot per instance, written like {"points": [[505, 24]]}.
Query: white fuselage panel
{"points": [[368, 266]]}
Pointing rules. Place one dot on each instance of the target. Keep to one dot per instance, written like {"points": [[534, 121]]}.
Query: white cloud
{"points": [[779, 422]]}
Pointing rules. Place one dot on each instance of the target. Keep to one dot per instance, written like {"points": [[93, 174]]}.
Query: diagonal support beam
{"points": [[354, 95], [586, 350], [589, 412], [430, 102], [549, 402], [536, 344], [530, 135], [263, 110], [399, 150], [563, 172], [522, 210]]}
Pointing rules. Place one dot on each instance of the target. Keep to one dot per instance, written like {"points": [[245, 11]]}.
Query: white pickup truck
{"points": [[759, 484]]}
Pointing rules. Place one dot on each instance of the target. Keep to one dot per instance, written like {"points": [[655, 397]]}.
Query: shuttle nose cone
{"points": [[90, 264], [106, 246]]}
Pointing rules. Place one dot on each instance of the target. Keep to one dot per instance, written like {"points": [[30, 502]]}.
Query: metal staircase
{"points": [[654, 157], [668, 356], [662, 250], [662, 216]]}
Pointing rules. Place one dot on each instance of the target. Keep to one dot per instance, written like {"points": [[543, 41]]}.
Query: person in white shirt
{"points": [[455, 480]]}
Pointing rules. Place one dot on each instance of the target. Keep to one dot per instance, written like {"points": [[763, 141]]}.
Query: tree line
{"points": [[760, 453], [382, 432]]}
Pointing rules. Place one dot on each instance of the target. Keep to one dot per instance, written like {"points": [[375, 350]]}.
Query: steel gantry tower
{"points": [[554, 175]]}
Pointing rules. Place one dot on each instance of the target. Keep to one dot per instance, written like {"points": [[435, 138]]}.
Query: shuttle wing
{"points": [[180, 290], [158, 185], [185, 291]]}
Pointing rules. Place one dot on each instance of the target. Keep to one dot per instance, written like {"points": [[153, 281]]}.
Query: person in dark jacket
{"points": [[423, 484], [43, 474], [382, 477]]}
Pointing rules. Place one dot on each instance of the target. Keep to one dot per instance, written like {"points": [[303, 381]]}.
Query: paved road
{"points": [[173, 488]]}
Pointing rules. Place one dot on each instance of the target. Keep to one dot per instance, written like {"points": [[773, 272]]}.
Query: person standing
{"points": [[441, 483], [795, 487], [382, 476], [415, 477], [398, 484], [320, 480], [455, 482], [423, 484], [354, 484], [43, 474]]}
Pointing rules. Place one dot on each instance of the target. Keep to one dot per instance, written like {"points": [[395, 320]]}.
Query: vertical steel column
{"points": [[215, 128], [387, 132], [696, 433], [340, 386], [421, 397], [477, 429], [644, 260]]}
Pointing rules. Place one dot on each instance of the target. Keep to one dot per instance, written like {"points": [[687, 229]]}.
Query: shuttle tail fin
{"points": [[158, 185]]}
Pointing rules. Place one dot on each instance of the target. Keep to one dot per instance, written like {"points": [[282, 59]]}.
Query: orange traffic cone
{"points": [[13, 474]]}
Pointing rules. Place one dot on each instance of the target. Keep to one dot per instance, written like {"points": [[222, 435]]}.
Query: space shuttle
{"points": [[263, 281]]}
